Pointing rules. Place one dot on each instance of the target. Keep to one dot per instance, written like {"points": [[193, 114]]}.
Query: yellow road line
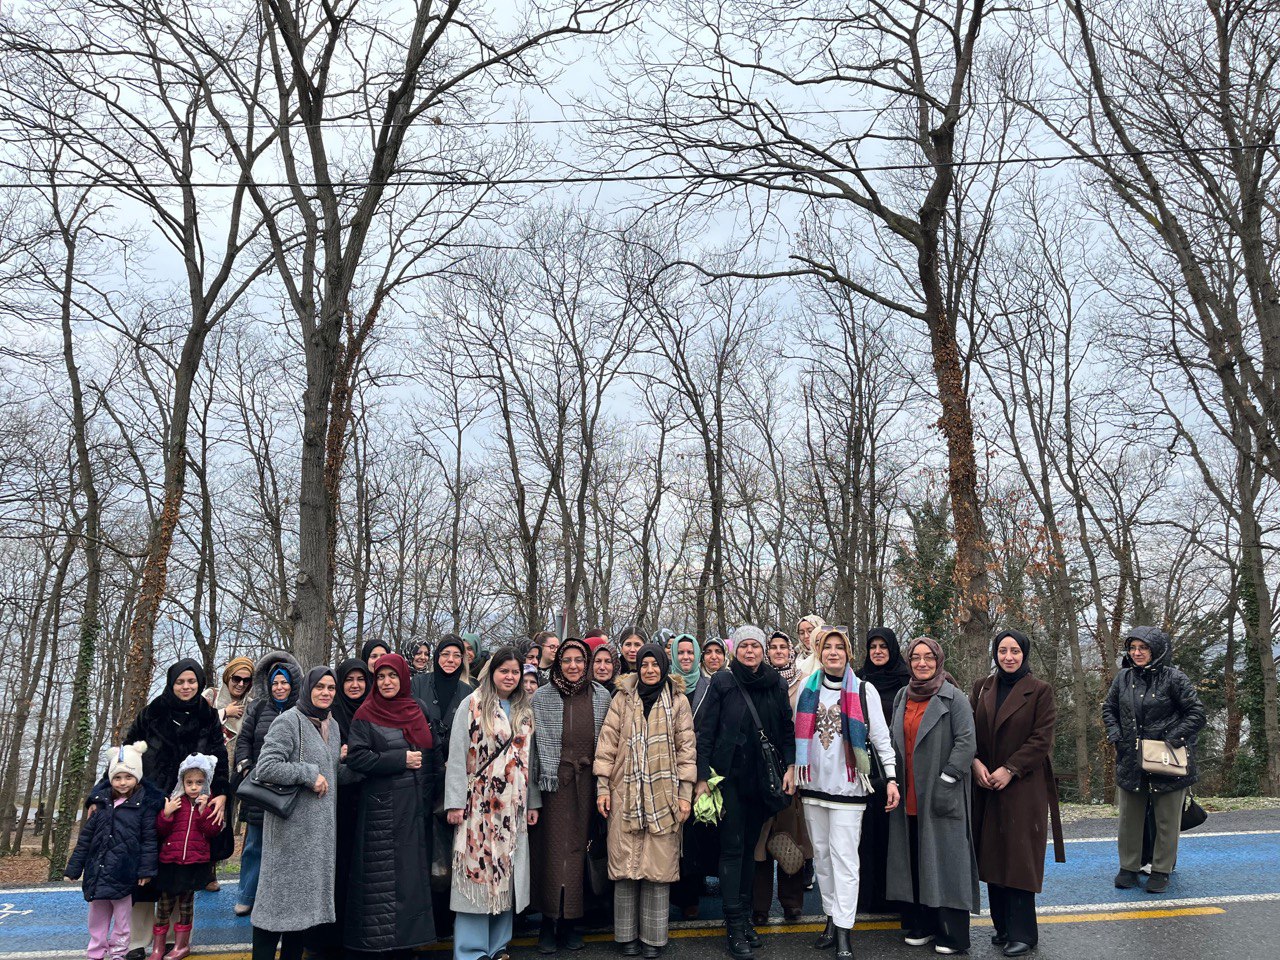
{"points": [[700, 932]]}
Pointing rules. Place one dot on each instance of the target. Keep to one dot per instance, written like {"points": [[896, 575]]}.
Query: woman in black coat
{"points": [[175, 725], [444, 687], [390, 744], [1150, 699], [727, 743], [885, 670]]}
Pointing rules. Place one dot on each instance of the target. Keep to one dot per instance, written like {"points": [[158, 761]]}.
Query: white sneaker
{"points": [[918, 940], [939, 948]]}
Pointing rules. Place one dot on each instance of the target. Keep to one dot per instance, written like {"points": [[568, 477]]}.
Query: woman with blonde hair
{"points": [[491, 798]]}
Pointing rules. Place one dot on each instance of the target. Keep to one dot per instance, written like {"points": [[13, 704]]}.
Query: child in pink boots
{"points": [[184, 827]]}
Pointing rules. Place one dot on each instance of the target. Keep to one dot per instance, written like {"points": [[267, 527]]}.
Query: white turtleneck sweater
{"points": [[829, 778]]}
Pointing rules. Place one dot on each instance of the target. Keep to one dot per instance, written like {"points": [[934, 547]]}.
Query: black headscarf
{"points": [[344, 707], [649, 694], [171, 698], [1006, 680], [894, 675], [446, 684], [625, 634], [369, 646], [305, 706]]}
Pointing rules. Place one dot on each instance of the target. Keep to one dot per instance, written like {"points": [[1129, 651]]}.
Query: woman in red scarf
{"points": [[391, 745]]}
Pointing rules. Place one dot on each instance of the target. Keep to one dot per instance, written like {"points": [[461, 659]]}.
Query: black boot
{"points": [[844, 946], [748, 927], [1157, 882], [827, 939], [547, 936], [568, 935], [1126, 879], [737, 944]]}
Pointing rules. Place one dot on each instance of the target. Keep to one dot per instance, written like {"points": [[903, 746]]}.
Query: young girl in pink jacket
{"points": [[183, 828]]}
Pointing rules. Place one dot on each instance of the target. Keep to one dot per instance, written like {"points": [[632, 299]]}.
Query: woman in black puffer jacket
{"points": [[1150, 699], [276, 680]]}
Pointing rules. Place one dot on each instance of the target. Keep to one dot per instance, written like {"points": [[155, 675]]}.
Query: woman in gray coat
{"points": [[295, 889], [932, 867]]}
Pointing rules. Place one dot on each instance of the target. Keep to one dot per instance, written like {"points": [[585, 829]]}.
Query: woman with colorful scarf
{"points": [[646, 764], [932, 867], [567, 715], [491, 798], [838, 722]]}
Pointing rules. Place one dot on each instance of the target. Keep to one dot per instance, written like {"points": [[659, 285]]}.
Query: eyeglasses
{"points": [[923, 658], [241, 680]]}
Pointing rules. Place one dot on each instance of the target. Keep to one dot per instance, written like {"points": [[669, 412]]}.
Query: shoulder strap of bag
{"points": [[874, 751], [755, 717], [494, 756]]}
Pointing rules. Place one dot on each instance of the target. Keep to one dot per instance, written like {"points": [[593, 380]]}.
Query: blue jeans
{"points": [[478, 935], [250, 864]]}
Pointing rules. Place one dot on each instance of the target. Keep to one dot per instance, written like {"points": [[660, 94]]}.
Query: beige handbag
{"points": [[783, 848], [1163, 759]]}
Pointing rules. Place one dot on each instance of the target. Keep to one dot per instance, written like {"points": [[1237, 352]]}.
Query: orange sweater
{"points": [[911, 718]]}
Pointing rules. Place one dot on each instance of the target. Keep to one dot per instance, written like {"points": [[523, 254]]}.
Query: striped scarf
{"points": [[548, 730], [651, 786], [853, 728]]}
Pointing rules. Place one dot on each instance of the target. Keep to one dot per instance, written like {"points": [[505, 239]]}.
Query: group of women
{"points": [[449, 802]]}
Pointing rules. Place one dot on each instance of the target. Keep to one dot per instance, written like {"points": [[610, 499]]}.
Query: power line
{"points": [[622, 176]]}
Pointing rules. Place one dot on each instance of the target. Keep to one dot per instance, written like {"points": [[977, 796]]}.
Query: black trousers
{"points": [[290, 943], [1013, 912], [948, 925], [740, 828]]}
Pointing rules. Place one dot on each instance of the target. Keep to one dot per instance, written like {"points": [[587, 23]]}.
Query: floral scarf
{"points": [[494, 816]]}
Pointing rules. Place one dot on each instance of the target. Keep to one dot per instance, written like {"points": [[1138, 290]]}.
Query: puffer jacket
{"points": [[1155, 702], [258, 718], [117, 845], [643, 855], [184, 837]]}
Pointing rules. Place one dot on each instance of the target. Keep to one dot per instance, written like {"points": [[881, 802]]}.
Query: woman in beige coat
{"points": [[646, 764]]}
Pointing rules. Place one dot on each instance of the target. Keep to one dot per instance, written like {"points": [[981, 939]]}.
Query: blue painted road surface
{"points": [[1213, 868]]}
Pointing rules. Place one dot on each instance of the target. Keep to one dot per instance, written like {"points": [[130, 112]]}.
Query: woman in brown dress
{"points": [[567, 715], [1013, 713]]}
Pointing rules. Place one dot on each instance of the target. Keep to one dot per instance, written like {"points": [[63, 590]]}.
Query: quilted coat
{"points": [[117, 845]]}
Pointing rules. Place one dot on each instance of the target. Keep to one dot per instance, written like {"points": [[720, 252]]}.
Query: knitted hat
{"points": [[747, 634], [196, 761], [126, 758]]}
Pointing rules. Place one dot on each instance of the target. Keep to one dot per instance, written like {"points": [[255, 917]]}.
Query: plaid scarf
{"points": [[853, 728], [548, 730], [651, 787], [494, 816]]}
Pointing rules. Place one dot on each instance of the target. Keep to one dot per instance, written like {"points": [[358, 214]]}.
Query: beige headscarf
{"points": [[807, 657]]}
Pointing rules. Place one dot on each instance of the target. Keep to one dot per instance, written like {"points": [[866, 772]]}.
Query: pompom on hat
{"points": [[126, 758]]}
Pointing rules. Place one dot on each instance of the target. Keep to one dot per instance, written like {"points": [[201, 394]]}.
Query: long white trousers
{"points": [[835, 832]]}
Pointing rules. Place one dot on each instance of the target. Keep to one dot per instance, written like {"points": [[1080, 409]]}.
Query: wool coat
{"points": [[1155, 702], [945, 743], [1009, 825], [388, 892], [456, 788], [727, 734], [117, 844], [295, 888], [634, 855]]}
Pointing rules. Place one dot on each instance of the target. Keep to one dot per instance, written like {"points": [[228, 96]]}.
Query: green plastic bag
{"points": [[709, 807]]}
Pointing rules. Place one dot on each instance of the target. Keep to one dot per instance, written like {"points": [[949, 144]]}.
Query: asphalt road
{"points": [[1224, 899]]}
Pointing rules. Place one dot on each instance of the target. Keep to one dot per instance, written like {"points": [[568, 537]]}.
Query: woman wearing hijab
{"points": [[714, 656], [231, 702], [686, 666], [727, 743], [782, 656], [839, 724], [444, 687], [885, 670], [176, 724], [295, 891], [419, 658], [276, 677], [1152, 699], [931, 862], [807, 656], [491, 797], [371, 651], [391, 745], [1014, 714], [567, 715], [646, 764], [604, 667]]}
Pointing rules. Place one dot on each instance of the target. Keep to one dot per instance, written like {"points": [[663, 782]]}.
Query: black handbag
{"points": [[878, 780], [277, 799], [771, 792], [1192, 813]]}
